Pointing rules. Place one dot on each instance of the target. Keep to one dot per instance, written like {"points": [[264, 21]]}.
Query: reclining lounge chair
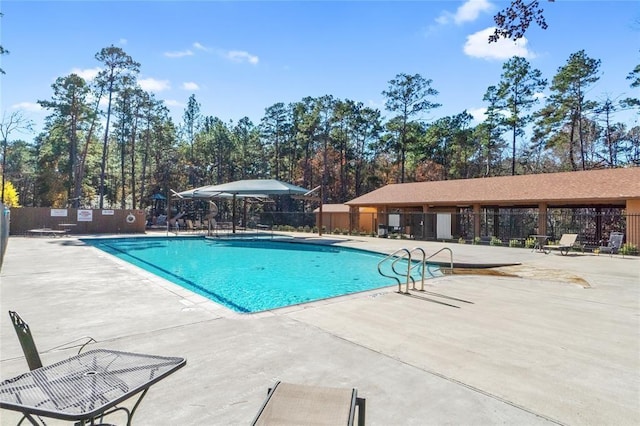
{"points": [[614, 244], [564, 245], [291, 404]]}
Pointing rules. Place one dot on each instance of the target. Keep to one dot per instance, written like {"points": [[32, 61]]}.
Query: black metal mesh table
{"points": [[86, 386]]}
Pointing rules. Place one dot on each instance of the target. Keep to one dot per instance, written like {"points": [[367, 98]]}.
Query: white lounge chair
{"points": [[564, 245]]}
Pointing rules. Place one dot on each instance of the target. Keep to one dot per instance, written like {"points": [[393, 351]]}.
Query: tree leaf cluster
{"points": [[108, 142]]}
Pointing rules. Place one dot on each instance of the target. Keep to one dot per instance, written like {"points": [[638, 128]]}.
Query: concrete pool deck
{"points": [[537, 348]]}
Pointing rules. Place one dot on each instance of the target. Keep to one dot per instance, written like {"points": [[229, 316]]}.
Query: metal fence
{"points": [[498, 226]]}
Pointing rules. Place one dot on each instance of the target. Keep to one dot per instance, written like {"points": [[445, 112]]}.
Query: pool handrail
{"points": [[404, 253], [396, 257]]}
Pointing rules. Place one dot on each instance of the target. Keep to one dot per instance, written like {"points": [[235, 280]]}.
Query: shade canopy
{"points": [[249, 188]]}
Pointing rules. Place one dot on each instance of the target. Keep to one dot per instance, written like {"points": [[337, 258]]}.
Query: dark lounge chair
{"points": [[614, 244]]}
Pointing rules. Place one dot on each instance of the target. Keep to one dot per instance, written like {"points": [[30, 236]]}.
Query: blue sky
{"points": [[240, 57]]}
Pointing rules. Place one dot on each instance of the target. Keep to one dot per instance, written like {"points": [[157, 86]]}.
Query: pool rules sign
{"points": [[85, 215]]}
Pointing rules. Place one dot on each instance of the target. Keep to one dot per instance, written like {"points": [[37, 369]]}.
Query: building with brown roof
{"points": [[592, 189]]}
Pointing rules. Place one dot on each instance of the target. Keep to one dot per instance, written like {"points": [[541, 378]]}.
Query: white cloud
{"points": [[242, 56], [376, 104], [27, 106], [468, 12], [478, 114], [123, 41], [88, 74], [173, 103], [190, 86], [179, 54], [478, 46], [199, 46], [153, 85]]}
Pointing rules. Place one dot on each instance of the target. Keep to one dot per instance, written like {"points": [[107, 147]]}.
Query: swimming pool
{"points": [[252, 276]]}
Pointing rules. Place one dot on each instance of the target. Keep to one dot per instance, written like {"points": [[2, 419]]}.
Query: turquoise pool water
{"points": [[252, 276]]}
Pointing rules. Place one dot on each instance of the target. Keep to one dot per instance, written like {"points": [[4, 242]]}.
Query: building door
{"points": [[443, 226]]}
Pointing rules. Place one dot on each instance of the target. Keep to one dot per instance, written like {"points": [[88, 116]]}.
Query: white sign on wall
{"points": [[85, 215], [394, 220], [59, 212], [108, 212]]}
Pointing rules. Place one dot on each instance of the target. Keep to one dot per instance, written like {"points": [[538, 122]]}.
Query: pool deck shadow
{"points": [[532, 347]]}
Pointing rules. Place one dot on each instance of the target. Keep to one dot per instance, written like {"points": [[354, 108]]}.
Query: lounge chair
{"points": [[292, 404], [614, 244], [564, 245]]}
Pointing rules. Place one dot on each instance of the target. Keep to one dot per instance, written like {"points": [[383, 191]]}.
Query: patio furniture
{"points": [[540, 241], [564, 245], [614, 243], [45, 232], [293, 404], [86, 387], [29, 346]]}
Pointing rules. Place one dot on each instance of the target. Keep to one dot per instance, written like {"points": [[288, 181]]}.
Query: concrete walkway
{"points": [[558, 343]]}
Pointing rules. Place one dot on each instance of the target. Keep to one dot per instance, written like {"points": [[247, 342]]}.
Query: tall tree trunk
{"points": [[103, 164], [572, 158], [580, 135], [123, 153], [77, 185], [133, 160]]}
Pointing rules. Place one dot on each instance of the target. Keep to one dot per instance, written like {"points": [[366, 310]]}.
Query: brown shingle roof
{"points": [[592, 187], [333, 208]]}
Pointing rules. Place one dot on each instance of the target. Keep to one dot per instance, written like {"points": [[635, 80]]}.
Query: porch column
{"points": [[383, 213], [476, 220], [424, 222], [632, 211], [352, 212], [542, 219]]}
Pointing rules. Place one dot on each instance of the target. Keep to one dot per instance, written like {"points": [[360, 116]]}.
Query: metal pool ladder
{"points": [[397, 259]]}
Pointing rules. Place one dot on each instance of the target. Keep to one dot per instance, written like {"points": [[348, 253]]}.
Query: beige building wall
{"points": [[633, 222]]}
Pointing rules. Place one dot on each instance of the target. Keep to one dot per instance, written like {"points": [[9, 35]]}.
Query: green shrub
{"points": [[530, 243], [477, 240], [629, 249], [461, 240], [515, 243], [495, 241]]}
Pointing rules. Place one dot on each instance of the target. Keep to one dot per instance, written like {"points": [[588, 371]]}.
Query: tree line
{"points": [[109, 143]]}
